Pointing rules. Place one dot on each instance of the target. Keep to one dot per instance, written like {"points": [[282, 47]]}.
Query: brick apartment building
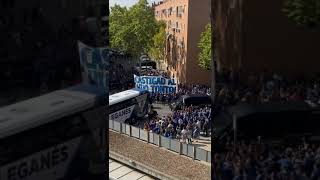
{"points": [[253, 36], [185, 20]]}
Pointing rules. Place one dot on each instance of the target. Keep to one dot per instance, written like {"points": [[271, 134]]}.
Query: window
{"points": [[177, 11], [177, 28], [170, 11], [164, 12]]}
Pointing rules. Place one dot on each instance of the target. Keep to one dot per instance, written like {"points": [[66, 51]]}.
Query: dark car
{"points": [[148, 63], [188, 100]]}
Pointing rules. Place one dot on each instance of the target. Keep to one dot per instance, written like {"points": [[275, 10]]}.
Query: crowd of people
{"points": [[272, 88], [185, 124], [167, 98], [152, 72], [120, 79], [258, 161], [251, 160]]}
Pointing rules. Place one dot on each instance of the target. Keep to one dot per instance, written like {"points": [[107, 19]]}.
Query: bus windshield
{"points": [[129, 106]]}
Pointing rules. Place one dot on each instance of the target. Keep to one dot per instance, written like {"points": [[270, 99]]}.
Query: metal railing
{"points": [[171, 144]]}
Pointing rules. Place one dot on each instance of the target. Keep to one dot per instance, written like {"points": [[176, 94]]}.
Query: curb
{"points": [[140, 167]]}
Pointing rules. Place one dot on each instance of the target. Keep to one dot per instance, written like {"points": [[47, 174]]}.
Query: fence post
{"points": [[130, 131], [180, 148], [159, 140], [194, 152], [139, 133], [148, 137], [207, 156], [120, 128]]}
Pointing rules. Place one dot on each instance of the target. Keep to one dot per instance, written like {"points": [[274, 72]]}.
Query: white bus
{"points": [[55, 136], [129, 106]]}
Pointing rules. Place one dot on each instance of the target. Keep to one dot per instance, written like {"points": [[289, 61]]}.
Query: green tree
{"points": [[118, 28], [132, 29], [205, 48], [157, 50], [303, 12]]}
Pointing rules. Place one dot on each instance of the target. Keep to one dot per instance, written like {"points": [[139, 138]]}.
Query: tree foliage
{"points": [[132, 29], [205, 48], [303, 12], [157, 51]]}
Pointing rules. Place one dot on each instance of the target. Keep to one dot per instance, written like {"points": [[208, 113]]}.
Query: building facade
{"points": [[256, 36], [185, 20]]}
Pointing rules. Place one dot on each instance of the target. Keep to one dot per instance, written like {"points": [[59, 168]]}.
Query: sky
{"points": [[127, 3]]}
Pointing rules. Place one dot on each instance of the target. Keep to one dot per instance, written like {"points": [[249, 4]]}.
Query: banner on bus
{"points": [[94, 63], [121, 115], [156, 84]]}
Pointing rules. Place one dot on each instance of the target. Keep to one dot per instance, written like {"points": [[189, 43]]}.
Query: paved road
{"points": [[162, 110]]}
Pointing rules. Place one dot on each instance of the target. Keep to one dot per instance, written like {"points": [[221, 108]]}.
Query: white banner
{"points": [[51, 163], [121, 115], [156, 84]]}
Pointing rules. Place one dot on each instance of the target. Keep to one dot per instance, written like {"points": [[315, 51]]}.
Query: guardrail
{"points": [[176, 146]]}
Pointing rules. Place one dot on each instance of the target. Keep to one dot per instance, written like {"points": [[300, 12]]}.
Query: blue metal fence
{"points": [[170, 144]]}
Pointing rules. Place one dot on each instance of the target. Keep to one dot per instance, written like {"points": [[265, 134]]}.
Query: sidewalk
{"points": [[164, 161]]}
